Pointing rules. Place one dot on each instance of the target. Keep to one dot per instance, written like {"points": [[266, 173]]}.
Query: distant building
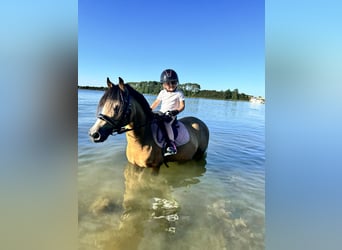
{"points": [[259, 99]]}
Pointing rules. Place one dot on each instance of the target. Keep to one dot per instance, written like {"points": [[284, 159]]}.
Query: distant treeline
{"points": [[189, 89]]}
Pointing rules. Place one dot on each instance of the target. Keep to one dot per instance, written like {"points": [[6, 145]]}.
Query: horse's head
{"points": [[113, 112]]}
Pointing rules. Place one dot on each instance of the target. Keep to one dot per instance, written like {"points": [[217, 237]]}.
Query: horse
{"points": [[122, 109]]}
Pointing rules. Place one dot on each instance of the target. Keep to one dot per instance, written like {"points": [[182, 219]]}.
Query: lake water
{"points": [[217, 203]]}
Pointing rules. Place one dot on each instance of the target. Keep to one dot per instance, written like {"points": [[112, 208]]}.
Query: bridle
{"points": [[118, 125]]}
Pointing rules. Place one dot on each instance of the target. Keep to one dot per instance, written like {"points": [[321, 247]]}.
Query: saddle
{"points": [[179, 130]]}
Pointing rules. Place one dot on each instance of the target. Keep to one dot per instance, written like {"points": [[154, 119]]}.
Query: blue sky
{"points": [[218, 44]]}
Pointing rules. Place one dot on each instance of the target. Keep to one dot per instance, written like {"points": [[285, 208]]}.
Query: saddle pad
{"points": [[181, 134]]}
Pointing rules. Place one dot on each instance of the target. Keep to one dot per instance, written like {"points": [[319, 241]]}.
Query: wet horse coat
{"points": [[123, 109]]}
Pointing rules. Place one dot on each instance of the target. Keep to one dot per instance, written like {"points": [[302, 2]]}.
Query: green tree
{"points": [[227, 94], [235, 94]]}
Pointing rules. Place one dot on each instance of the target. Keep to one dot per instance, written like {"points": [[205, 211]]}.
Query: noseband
{"points": [[118, 125]]}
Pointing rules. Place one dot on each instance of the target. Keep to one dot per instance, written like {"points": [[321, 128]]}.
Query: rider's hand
{"points": [[172, 113]]}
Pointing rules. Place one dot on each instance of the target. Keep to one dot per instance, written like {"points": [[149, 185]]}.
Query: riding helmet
{"points": [[169, 75]]}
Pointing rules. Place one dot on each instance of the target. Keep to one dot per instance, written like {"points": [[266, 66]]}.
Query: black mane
{"points": [[141, 100], [113, 94]]}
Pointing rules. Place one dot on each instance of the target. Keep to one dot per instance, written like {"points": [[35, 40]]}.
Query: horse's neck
{"points": [[140, 126]]}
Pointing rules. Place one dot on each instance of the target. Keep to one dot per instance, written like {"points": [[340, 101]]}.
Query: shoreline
{"points": [[212, 98]]}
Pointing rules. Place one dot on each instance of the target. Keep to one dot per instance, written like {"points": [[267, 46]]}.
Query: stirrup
{"points": [[170, 150], [170, 153]]}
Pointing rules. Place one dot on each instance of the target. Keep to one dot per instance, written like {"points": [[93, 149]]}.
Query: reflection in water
{"points": [[167, 212], [149, 209]]}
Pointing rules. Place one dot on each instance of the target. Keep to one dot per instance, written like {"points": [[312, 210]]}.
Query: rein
{"points": [[118, 126]]}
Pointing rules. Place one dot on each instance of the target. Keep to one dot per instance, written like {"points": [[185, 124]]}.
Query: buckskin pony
{"points": [[123, 109]]}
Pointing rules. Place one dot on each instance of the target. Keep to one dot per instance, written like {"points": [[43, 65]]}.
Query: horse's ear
{"points": [[109, 83], [121, 84]]}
